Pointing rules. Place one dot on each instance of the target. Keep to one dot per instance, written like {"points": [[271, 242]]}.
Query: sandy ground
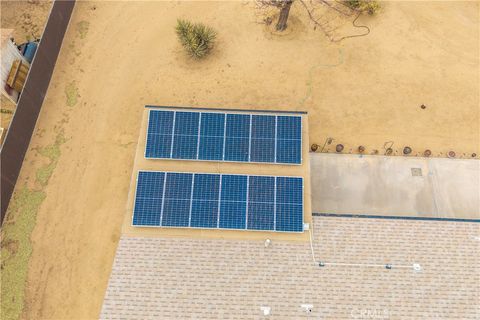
{"points": [[119, 56], [27, 18]]}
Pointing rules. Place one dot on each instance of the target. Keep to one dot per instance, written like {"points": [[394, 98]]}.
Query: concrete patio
{"points": [[395, 186]]}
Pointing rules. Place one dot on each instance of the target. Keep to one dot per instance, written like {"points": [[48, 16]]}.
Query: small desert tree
{"points": [[365, 6], [284, 7], [343, 7], [196, 38]]}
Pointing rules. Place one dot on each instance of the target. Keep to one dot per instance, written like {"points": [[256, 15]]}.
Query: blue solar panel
{"points": [[219, 201], [159, 137], [160, 122], [158, 146], [261, 189], [262, 147], [289, 217], [261, 199], [148, 212], [233, 215], [184, 147], [289, 139], [236, 149], [186, 123], [148, 198], [289, 190], [233, 207], [177, 197], [289, 127], [204, 214], [234, 188], [263, 127], [261, 216], [178, 186], [261, 150], [212, 132], [289, 204], [206, 186], [237, 137], [185, 138], [224, 137], [238, 125], [289, 151], [176, 213]]}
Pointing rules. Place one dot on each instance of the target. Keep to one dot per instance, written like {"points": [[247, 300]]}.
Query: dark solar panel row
{"points": [[224, 137], [219, 201]]}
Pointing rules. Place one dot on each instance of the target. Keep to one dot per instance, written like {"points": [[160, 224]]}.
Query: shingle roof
{"points": [[172, 278]]}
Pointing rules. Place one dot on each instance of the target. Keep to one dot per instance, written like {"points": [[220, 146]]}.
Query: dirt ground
{"points": [[27, 18], [119, 56]]}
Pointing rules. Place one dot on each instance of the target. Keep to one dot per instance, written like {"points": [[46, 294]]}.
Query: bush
{"points": [[196, 38], [369, 6]]}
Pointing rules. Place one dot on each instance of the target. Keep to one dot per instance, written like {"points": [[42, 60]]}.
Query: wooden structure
{"points": [[14, 68]]}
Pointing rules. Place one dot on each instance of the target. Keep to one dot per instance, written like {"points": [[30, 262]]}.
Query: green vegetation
{"points": [[196, 38], [367, 6], [71, 92], [83, 28], [16, 249], [52, 152]]}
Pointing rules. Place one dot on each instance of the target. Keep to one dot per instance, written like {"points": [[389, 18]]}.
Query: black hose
{"points": [[355, 35]]}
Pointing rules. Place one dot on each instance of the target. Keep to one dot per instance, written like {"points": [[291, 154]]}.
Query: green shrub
{"points": [[196, 38], [369, 6]]}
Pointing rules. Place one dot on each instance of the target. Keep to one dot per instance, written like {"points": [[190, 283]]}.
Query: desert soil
{"points": [[27, 18], [119, 56]]}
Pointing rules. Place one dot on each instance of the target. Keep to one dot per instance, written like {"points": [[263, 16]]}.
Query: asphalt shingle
{"points": [[173, 278]]}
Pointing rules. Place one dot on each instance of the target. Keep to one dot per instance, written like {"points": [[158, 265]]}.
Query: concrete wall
{"points": [[379, 185]]}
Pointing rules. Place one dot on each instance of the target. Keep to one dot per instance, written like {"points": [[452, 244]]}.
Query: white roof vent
{"points": [[266, 310], [307, 307]]}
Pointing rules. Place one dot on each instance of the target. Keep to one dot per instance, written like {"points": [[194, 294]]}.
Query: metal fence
{"points": [[28, 108]]}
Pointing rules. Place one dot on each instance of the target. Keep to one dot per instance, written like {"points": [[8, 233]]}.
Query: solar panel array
{"points": [[225, 201], [218, 136]]}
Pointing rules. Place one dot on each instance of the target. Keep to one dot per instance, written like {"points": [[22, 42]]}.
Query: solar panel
{"points": [[237, 137], [200, 200], [177, 199], [185, 138], [263, 139], [233, 204], [205, 201], [148, 198], [289, 204], [289, 139], [159, 137], [212, 132], [217, 136]]}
